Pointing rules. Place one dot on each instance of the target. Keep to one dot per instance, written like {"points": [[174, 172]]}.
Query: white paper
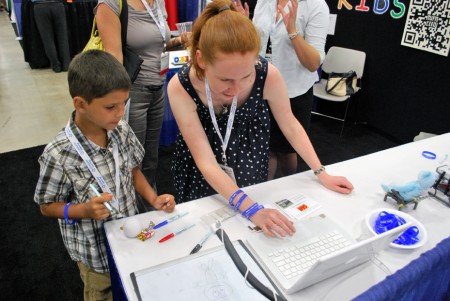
{"points": [[298, 206]]}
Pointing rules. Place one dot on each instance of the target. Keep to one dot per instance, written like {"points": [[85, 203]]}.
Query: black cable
{"points": [[264, 290]]}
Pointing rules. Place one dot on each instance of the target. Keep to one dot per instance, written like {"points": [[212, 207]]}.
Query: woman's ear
{"points": [[199, 57]]}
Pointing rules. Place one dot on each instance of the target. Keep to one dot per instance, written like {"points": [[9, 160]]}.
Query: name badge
{"points": [[164, 63], [229, 171]]}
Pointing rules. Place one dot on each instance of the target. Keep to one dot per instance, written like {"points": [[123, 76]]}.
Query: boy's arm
{"points": [[54, 188], [164, 202], [94, 209]]}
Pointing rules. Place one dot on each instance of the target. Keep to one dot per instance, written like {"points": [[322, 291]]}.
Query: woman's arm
{"points": [[315, 33], [275, 91], [109, 28]]}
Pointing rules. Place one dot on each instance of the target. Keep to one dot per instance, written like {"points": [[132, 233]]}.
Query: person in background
{"points": [[293, 36], [2, 5], [99, 86], [50, 18], [220, 102], [148, 35]]}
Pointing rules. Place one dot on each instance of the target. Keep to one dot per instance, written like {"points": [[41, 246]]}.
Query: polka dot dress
{"points": [[248, 147]]}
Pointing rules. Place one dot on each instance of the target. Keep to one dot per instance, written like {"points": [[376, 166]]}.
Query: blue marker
{"points": [[107, 205], [173, 218]]}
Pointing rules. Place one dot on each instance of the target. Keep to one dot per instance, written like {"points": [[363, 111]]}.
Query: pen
{"points": [[201, 242], [107, 205], [167, 237], [173, 218]]}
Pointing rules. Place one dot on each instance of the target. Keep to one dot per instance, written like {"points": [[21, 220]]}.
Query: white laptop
{"points": [[308, 257]]}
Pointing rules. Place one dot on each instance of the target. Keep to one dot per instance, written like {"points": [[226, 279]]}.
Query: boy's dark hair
{"points": [[95, 73]]}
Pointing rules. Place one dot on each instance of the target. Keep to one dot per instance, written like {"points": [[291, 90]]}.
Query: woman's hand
{"points": [[272, 221], [336, 183], [290, 17], [164, 202], [185, 37], [243, 9]]}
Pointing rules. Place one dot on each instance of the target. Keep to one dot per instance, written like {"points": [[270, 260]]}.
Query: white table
{"points": [[396, 165]]}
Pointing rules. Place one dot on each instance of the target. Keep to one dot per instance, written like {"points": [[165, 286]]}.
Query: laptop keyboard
{"points": [[298, 258]]}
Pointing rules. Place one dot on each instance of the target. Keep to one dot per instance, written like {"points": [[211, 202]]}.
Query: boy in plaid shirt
{"points": [[96, 148]]}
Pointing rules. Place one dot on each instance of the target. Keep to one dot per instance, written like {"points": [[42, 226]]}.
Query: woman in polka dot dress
{"points": [[220, 102]]}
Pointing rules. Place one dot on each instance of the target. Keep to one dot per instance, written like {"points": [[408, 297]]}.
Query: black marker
{"points": [[202, 241]]}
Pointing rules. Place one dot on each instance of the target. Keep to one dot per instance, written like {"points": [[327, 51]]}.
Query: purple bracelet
{"points": [[238, 204], [66, 215], [244, 213], [233, 196], [251, 212]]}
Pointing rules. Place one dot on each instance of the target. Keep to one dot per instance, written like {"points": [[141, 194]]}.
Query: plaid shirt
{"points": [[64, 177]]}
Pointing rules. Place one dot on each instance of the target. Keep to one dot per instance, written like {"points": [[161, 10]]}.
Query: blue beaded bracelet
{"points": [[233, 196], [238, 204], [66, 215]]}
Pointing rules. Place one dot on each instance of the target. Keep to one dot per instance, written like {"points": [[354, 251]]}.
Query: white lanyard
{"points": [[214, 120], [90, 164], [160, 22]]}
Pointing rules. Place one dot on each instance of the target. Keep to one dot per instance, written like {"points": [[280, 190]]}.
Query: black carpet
{"points": [[34, 262]]}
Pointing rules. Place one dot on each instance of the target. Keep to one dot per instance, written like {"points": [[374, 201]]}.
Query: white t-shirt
{"points": [[313, 17]]}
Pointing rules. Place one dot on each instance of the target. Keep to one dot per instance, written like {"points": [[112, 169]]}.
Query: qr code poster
{"points": [[428, 26]]}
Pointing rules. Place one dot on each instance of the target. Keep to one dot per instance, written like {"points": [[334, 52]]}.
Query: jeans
{"points": [[145, 118], [52, 25]]}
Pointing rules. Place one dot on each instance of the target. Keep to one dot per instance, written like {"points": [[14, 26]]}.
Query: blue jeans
{"points": [[145, 118]]}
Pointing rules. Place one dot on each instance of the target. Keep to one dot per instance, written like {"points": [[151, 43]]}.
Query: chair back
{"points": [[339, 59]]}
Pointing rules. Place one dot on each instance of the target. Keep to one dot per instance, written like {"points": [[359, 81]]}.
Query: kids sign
{"points": [[379, 7]]}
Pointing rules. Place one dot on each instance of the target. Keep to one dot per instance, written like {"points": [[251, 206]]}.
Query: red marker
{"points": [[167, 237]]}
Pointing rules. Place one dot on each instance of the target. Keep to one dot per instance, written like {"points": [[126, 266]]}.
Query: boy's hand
{"points": [[164, 202], [96, 209]]}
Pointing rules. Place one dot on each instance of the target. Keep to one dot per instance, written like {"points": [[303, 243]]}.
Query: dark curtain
{"points": [[187, 10], [80, 16]]}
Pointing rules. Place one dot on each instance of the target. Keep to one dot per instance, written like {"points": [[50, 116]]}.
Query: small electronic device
{"points": [[441, 189]]}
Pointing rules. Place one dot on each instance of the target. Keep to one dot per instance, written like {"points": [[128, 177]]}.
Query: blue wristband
{"points": [[233, 196], [66, 215], [253, 211], [250, 209], [238, 204], [429, 155]]}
